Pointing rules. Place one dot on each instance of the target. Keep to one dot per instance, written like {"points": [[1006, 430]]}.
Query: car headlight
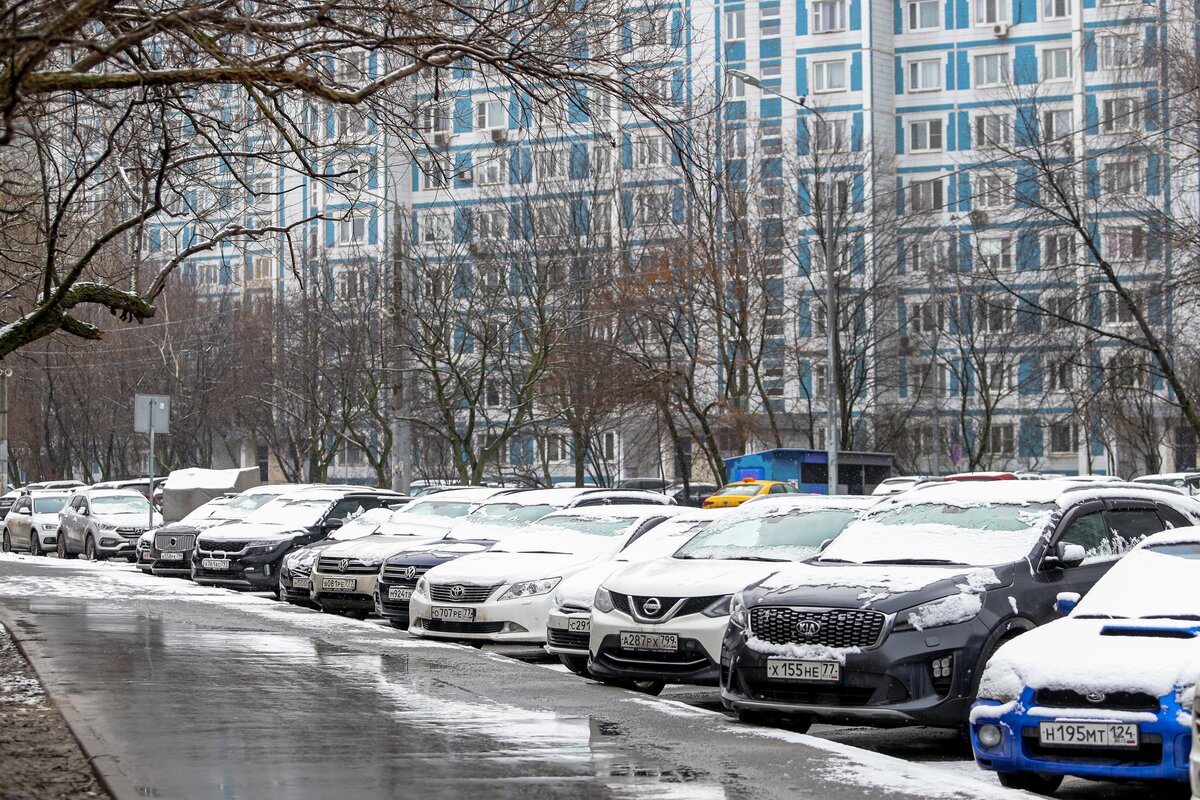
{"points": [[530, 588], [737, 611], [422, 587], [603, 601], [261, 547], [948, 611], [719, 608], [106, 526]]}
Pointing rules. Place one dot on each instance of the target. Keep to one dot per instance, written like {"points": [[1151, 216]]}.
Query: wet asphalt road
{"points": [[186, 692]]}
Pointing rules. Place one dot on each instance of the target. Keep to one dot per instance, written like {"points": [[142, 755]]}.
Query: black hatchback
{"points": [[892, 624]]}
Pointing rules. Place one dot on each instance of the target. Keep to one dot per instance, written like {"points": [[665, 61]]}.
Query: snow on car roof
{"points": [[469, 494], [784, 502], [1187, 535], [980, 493], [614, 511]]}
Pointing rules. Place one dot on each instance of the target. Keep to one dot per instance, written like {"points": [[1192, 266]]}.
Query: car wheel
{"points": [[648, 687], [35, 545], [5, 542], [399, 624], [61, 547], [1030, 782], [577, 664], [89, 549]]}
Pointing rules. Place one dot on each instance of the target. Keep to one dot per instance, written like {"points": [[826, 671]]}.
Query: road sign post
{"points": [[151, 415]]}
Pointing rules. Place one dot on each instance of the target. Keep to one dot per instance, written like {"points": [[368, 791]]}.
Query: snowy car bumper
{"points": [[331, 590], [1162, 753], [567, 632], [289, 591], [694, 660], [520, 621], [904, 679]]}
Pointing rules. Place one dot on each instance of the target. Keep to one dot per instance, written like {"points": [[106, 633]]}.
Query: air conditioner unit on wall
{"points": [[441, 139], [978, 217], [1000, 29], [499, 134]]}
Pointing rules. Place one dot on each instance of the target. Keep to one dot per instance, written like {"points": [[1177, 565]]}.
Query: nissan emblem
{"points": [[651, 607]]}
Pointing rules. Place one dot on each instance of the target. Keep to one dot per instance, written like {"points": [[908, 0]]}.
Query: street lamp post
{"points": [[831, 369]]}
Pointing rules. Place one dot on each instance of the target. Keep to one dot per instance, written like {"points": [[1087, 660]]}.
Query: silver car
{"points": [[102, 523], [31, 525]]}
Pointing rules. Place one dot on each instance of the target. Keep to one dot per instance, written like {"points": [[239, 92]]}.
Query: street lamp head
{"points": [[746, 77]]}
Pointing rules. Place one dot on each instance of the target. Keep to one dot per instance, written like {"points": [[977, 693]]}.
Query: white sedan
{"points": [[663, 620], [504, 594]]}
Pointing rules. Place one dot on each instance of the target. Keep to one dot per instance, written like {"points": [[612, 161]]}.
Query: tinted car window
{"points": [[1172, 517], [1089, 532], [777, 489], [346, 507], [1133, 524]]}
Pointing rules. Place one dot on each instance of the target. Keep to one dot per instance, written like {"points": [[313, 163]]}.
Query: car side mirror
{"points": [[25, 511], [334, 524], [824, 544], [1066, 556], [1066, 601]]}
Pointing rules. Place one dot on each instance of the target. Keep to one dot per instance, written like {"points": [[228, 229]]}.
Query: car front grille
{"points": [[574, 640], [174, 541], [329, 564], [833, 627], [446, 626], [1119, 701], [398, 573], [461, 592], [131, 531], [626, 604], [209, 547]]}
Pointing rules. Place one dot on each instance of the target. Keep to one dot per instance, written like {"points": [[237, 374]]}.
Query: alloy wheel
{"points": [[5, 542], [35, 546]]}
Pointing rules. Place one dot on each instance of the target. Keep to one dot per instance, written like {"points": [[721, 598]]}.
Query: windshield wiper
{"points": [[916, 561], [759, 558], [1095, 616], [1172, 616], [823, 560], [538, 552]]}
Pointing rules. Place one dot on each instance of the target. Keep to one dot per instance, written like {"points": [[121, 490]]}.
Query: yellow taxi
{"points": [[734, 494]]}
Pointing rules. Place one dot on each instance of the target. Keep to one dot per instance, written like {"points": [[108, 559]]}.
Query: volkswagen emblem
{"points": [[651, 607], [808, 628], [456, 592], [1095, 697], [343, 565], [410, 573]]}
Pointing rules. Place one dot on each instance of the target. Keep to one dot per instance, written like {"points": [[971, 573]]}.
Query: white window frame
{"points": [[913, 14], [992, 191], [436, 118], [490, 115], [653, 151], [1122, 177], [828, 16], [1058, 250], [1119, 50], [989, 12], [490, 225], [931, 132], [1050, 123], [1056, 9], [771, 19], [491, 169], [988, 124], [927, 195], [1116, 118], [735, 25], [831, 135], [823, 71], [1055, 428], [436, 227], [654, 207], [1124, 243], [924, 255], [435, 173], [996, 254], [1005, 432], [1004, 64], [551, 164], [352, 229], [1057, 64], [919, 69]]}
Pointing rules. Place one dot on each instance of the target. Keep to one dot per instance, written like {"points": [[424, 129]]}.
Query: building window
{"points": [[1118, 310], [492, 168], [435, 118], [1057, 124], [551, 164], [349, 280], [1060, 376], [993, 315], [1058, 250], [925, 75], [991, 70], [435, 227], [770, 138], [1060, 310], [923, 256], [771, 69], [996, 376], [1064, 437], [352, 455], [1118, 50], [435, 173], [736, 87], [1119, 114], [652, 30], [1056, 9], [610, 446], [1126, 243], [556, 448], [1001, 440], [841, 197], [828, 16], [830, 135], [489, 115], [653, 151], [600, 219], [493, 393], [829, 76], [1122, 178], [601, 161], [925, 135], [653, 207], [770, 24], [924, 15], [351, 121], [989, 12], [1126, 371], [352, 230], [993, 130], [926, 195], [491, 225], [993, 191], [926, 317], [550, 221], [735, 25], [1056, 64], [995, 254]]}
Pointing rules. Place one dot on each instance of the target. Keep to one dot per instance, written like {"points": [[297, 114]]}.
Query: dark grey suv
{"points": [[893, 622]]}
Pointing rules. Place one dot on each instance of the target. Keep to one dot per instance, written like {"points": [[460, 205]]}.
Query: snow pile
{"points": [[804, 652], [953, 609]]}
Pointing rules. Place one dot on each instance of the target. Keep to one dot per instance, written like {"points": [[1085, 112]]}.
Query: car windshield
{"points": [[783, 534], [483, 521], [204, 512], [1155, 582], [299, 513], [663, 539], [740, 490], [48, 505], [364, 524], [438, 508], [568, 534], [243, 504], [937, 532], [119, 504]]}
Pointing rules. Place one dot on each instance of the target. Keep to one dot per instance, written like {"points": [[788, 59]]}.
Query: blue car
{"points": [[1104, 693]]}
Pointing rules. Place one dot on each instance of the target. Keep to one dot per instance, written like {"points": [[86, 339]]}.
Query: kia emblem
{"points": [[410, 573], [808, 628], [457, 592], [343, 565], [651, 607]]}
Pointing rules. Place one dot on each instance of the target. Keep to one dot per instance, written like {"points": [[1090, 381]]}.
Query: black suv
{"points": [[893, 623], [247, 554]]}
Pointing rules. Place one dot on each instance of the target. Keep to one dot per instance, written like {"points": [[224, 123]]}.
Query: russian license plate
{"points": [[660, 642], [579, 625], [301, 583], [1088, 734], [339, 583], [454, 614], [214, 563], [170, 556], [788, 669], [399, 593]]}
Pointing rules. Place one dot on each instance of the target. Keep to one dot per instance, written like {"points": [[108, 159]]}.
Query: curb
{"points": [[96, 749]]}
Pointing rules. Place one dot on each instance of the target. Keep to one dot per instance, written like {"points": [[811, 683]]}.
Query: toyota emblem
{"points": [[343, 565], [808, 628], [651, 607], [457, 592], [1095, 697], [410, 573]]}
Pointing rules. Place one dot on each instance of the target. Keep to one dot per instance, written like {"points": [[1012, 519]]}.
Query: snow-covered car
{"points": [[102, 523], [491, 521], [1107, 692], [894, 621], [32, 522], [890, 486], [570, 622], [171, 546], [248, 554], [295, 581], [663, 620], [504, 594], [173, 534]]}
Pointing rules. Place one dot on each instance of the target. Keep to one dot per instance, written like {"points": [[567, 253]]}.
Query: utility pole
{"points": [[401, 410], [831, 370]]}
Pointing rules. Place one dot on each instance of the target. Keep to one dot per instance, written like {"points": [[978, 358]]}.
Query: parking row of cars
{"points": [[951, 604]]}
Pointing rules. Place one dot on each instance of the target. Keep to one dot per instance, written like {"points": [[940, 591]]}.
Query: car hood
{"points": [[51, 518], [683, 577], [580, 589], [438, 552], [887, 588], [138, 520], [1155, 656], [238, 531], [487, 567], [371, 547]]}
